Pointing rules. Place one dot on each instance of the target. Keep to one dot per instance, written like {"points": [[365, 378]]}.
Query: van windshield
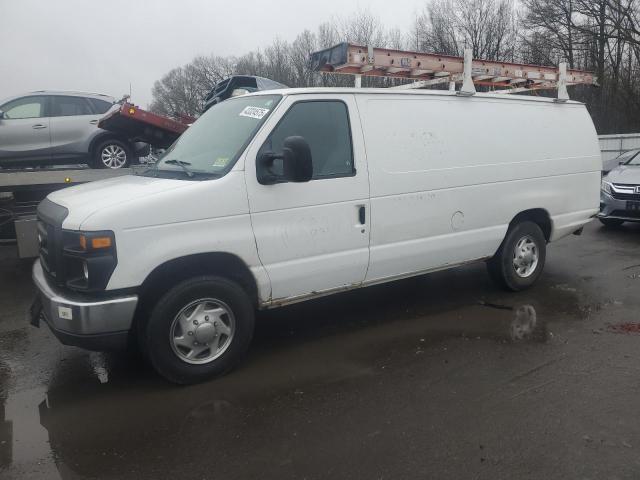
{"points": [[215, 141]]}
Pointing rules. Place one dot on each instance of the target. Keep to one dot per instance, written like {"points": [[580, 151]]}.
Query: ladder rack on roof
{"points": [[428, 69]]}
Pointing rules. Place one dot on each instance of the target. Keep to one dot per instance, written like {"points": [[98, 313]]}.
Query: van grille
{"points": [[50, 218], [44, 240]]}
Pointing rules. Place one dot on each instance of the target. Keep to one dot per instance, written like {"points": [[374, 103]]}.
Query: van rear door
{"points": [[313, 236]]}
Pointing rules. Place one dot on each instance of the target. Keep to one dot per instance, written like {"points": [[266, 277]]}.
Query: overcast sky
{"points": [[102, 45]]}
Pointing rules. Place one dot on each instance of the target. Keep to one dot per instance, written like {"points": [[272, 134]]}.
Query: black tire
{"points": [[157, 331], [501, 267], [611, 222], [115, 146]]}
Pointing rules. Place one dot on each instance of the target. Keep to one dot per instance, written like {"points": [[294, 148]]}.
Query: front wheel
{"points": [[520, 259], [199, 329], [112, 154]]}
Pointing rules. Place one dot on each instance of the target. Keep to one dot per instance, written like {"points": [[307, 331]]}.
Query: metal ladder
{"points": [[429, 69]]}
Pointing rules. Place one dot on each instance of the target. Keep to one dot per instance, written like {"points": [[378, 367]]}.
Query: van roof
{"points": [[393, 91]]}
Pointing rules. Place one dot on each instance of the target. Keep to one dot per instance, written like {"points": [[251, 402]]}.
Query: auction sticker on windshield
{"points": [[254, 112], [221, 162]]}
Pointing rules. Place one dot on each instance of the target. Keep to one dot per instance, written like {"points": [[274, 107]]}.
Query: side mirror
{"points": [[296, 162], [297, 165], [2, 115]]}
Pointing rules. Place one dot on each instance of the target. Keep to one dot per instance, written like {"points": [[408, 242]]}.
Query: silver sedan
{"points": [[620, 192]]}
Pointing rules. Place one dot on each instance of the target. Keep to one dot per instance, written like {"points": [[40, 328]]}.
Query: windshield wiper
{"points": [[182, 164]]}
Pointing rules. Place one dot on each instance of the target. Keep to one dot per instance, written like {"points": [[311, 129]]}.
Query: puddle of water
{"points": [[24, 443], [522, 326], [525, 325], [91, 414]]}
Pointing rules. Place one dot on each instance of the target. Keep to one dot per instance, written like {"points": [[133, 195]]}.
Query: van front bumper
{"points": [[94, 324]]}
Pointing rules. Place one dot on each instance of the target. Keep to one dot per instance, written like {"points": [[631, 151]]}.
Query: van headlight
{"points": [[606, 187], [89, 259]]}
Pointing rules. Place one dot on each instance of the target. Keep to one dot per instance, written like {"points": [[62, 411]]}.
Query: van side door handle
{"points": [[93, 122], [38, 126], [362, 215]]}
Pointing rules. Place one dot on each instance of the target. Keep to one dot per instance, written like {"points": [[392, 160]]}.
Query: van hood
{"points": [[625, 174], [84, 200]]}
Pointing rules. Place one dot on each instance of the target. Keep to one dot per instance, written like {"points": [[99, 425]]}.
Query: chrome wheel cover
{"points": [[525, 256], [202, 331]]}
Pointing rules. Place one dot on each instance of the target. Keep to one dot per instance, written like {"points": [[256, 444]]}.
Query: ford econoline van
{"points": [[286, 195]]}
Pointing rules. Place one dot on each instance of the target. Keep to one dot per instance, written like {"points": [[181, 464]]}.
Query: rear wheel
{"points": [[112, 154], [520, 259], [611, 222], [199, 329]]}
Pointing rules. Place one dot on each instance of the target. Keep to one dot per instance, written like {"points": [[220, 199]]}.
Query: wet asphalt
{"points": [[441, 376]]}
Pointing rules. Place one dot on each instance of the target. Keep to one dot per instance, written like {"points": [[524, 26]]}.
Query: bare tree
{"points": [[177, 92], [488, 27], [551, 27], [435, 29], [300, 58], [328, 35], [397, 39], [210, 70], [362, 28]]}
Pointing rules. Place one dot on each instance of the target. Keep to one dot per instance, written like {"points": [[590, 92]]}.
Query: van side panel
{"points": [[449, 173]]}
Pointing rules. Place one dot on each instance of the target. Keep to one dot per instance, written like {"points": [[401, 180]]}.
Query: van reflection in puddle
{"points": [[524, 326], [518, 324]]}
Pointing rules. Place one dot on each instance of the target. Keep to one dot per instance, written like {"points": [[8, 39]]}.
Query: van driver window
{"points": [[325, 127]]}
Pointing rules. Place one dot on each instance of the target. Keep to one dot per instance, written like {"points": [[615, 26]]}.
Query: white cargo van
{"points": [[277, 197]]}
